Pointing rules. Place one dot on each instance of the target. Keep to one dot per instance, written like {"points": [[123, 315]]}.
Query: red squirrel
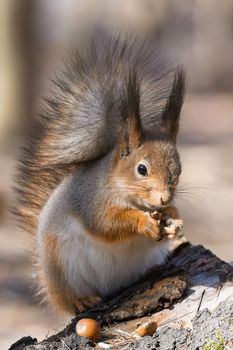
{"points": [[100, 169]]}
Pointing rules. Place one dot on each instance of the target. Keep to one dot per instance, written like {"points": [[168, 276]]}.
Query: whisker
{"points": [[194, 196], [137, 185], [117, 187], [194, 185], [183, 203]]}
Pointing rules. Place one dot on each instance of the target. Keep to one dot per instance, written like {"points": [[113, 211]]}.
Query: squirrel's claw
{"points": [[150, 227], [173, 228], [86, 303]]}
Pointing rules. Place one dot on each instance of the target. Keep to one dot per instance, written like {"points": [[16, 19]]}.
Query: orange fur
{"points": [[123, 224], [57, 289]]}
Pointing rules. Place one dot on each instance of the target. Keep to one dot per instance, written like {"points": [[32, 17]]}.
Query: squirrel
{"points": [[99, 171]]}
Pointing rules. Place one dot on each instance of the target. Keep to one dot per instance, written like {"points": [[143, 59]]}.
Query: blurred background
{"points": [[34, 36]]}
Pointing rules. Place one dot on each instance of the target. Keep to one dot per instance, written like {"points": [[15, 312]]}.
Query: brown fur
{"points": [[58, 292], [123, 224], [162, 177]]}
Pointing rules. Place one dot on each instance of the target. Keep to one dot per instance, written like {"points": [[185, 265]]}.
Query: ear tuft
{"points": [[131, 133], [171, 113]]}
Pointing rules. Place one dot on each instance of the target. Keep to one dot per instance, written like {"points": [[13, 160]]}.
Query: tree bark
{"points": [[190, 298]]}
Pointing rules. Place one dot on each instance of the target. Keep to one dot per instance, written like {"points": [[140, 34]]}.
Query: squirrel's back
{"points": [[82, 116]]}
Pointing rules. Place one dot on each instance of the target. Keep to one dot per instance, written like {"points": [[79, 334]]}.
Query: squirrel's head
{"points": [[147, 168]]}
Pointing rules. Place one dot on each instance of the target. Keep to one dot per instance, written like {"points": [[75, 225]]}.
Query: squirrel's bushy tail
{"points": [[82, 116]]}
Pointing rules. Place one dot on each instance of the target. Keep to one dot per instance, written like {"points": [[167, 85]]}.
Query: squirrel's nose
{"points": [[162, 201], [165, 198]]}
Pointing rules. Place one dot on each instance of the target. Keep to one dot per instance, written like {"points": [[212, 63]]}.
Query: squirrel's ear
{"points": [[171, 113], [131, 132]]}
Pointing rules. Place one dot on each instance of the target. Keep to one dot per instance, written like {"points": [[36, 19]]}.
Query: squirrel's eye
{"points": [[142, 170]]}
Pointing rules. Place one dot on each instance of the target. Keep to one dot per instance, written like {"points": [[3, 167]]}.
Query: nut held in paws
{"points": [[88, 328]]}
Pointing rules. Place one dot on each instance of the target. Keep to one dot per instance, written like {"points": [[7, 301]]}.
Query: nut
{"points": [[88, 328], [156, 215], [147, 328]]}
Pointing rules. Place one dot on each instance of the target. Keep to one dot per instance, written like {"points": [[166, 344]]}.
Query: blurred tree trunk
{"points": [[17, 83], [17, 66]]}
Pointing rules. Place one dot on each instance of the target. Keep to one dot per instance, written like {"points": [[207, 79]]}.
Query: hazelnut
{"points": [[147, 328], [88, 328]]}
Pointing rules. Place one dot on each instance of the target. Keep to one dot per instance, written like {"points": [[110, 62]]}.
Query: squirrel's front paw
{"points": [[171, 227], [149, 227]]}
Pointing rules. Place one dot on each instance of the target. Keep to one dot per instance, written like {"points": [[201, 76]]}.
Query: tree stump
{"points": [[190, 298]]}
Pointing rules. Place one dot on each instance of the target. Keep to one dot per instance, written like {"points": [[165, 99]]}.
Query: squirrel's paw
{"points": [[85, 303], [149, 227], [172, 227]]}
